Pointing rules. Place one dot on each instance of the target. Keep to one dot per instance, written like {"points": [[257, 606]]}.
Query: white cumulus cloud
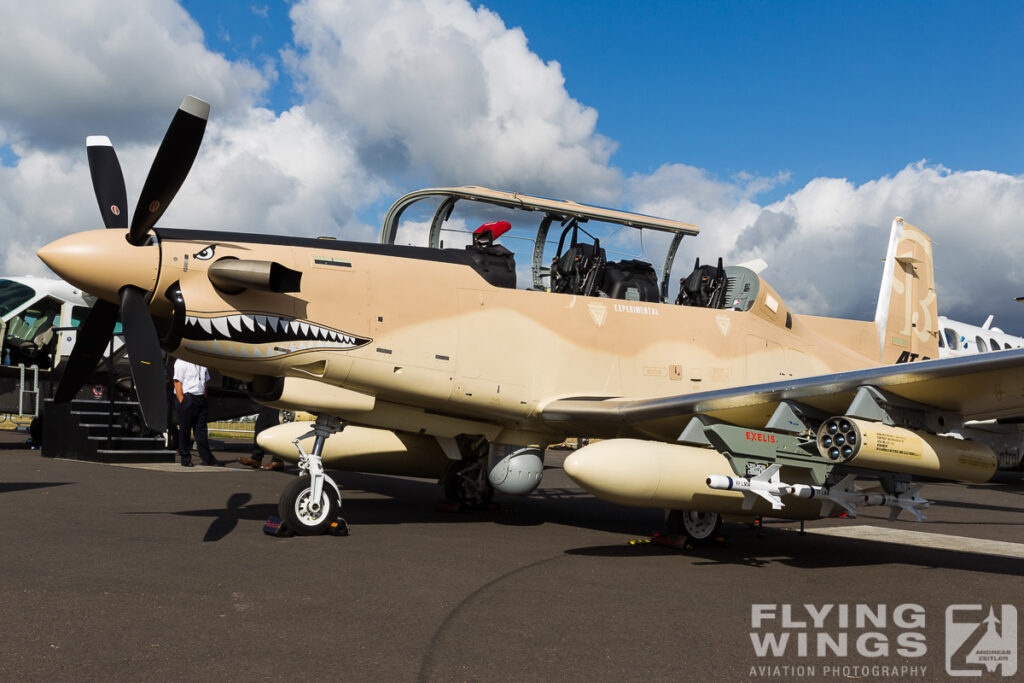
{"points": [[437, 89], [73, 67], [824, 242]]}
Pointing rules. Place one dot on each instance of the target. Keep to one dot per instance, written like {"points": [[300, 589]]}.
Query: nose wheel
{"points": [[305, 515], [312, 502]]}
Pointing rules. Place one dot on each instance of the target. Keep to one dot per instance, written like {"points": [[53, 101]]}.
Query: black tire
{"points": [[292, 508], [699, 527], [464, 490]]}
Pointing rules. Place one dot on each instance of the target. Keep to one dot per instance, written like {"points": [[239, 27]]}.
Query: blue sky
{"points": [[788, 131], [844, 89]]}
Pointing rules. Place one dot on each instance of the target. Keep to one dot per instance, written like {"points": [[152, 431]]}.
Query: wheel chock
{"points": [[672, 541], [678, 542], [277, 527], [338, 527]]}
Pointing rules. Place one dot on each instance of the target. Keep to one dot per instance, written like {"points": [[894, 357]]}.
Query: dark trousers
{"points": [[267, 417], [192, 418]]}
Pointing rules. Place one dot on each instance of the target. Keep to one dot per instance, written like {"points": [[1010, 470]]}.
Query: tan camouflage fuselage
{"points": [[419, 334]]}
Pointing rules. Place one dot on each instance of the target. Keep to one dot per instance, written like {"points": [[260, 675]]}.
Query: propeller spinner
{"points": [[87, 259]]}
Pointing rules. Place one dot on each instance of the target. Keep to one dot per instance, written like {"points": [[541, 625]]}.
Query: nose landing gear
{"points": [[312, 502]]}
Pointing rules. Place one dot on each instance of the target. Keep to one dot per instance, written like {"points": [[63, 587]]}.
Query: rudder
{"points": [[907, 316]]}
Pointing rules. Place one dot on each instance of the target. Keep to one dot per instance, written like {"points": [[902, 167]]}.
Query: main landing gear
{"points": [[466, 482], [312, 502], [698, 527]]}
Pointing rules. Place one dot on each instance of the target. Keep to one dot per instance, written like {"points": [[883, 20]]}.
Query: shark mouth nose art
{"points": [[251, 335]]}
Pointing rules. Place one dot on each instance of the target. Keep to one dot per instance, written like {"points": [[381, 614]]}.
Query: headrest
{"points": [[497, 229]]}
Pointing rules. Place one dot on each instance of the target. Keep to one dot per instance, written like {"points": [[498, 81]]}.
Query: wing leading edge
{"points": [[984, 386]]}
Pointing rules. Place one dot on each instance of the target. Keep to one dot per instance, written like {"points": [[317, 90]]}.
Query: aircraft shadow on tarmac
{"points": [[399, 500], [1004, 482], [226, 519], [977, 506], [9, 486], [744, 548], [415, 500]]}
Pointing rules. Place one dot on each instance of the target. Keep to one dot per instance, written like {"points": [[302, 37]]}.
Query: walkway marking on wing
{"points": [[924, 539]]}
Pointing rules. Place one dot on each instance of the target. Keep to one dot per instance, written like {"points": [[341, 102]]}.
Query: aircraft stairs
{"points": [[101, 431]]}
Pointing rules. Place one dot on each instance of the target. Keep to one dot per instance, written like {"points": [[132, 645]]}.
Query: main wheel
{"points": [[297, 509], [468, 486], [698, 526]]}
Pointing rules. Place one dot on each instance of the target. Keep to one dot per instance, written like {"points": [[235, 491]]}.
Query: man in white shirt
{"points": [[190, 389]]}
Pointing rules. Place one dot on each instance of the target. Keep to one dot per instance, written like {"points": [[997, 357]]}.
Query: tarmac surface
{"points": [[163, 573]]}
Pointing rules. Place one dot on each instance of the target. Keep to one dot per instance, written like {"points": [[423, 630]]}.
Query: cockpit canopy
{"points": [[568, 246], [571, 248]]}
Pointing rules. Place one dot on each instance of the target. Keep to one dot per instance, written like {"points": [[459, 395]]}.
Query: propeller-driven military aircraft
{"points": [[429, 361]]}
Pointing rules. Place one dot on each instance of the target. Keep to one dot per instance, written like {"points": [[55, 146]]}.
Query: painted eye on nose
{"points": [[206, 254]]}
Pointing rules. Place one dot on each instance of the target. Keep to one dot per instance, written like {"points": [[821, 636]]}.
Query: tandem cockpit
{"points": [[570, 248]]}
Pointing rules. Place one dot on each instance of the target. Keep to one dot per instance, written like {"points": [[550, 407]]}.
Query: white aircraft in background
{"points": [[963, 339], [32, 311]]}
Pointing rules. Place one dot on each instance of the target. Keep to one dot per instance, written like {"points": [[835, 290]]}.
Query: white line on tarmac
{"points": [[168, 467], [924, 539]]}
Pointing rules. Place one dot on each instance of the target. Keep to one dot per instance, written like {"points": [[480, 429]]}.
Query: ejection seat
{"points": [[494, 262], [732, 287], [579, 270], [704, 287], [631, 279]]}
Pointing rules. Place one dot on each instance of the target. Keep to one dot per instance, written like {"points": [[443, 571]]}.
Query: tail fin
{"points": [[907, 317]]}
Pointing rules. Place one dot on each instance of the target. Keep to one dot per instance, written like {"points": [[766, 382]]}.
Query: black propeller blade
{"points": [[172, 163], [93, 337], [145, 357], [170, 167], [143, 354], [107, 181]]}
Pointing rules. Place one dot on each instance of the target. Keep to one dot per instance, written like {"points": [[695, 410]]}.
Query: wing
{"points": [[983, 386]]}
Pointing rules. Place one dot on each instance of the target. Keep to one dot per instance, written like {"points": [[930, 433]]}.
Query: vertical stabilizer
{"points": [[907, 317]]}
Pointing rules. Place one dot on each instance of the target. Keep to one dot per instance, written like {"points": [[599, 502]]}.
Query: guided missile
{"points": [[766, 485], [846, 495]]}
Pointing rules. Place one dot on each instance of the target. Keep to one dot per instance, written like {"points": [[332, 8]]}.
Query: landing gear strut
{"points": [[466, 480], [313, 501]]}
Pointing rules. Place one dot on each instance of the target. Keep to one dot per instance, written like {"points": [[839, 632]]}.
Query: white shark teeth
{"points": [[221, 325], [229, 327]]}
